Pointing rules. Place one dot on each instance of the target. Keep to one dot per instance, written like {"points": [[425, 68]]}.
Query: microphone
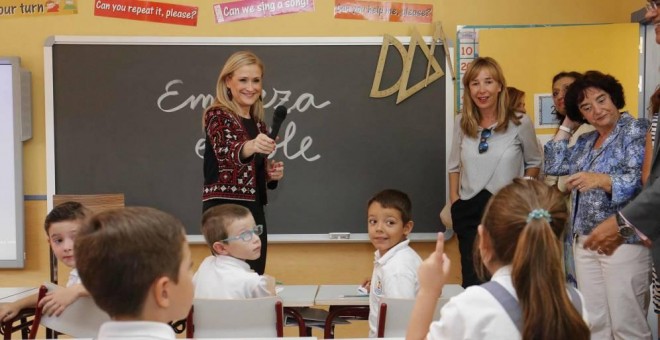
{"points": [[278, 117]]}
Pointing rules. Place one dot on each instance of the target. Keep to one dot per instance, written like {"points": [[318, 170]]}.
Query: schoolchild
{"points": [[136, 264], [61, 225], [389, 222], [233, 237], [519, 244]]}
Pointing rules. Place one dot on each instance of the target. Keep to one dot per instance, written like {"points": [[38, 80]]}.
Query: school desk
{"points": [[12, 294], [344, 301], [295, 296]]}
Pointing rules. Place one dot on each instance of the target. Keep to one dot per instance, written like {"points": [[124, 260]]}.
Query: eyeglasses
{"points": [[246, 236], [652, 5], [483, 143]]}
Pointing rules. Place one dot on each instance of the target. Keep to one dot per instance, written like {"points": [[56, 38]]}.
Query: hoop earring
{"points": [[231, 97]]}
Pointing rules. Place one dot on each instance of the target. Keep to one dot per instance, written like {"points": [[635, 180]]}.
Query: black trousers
{"points": [[257, 210], [466, 216]]}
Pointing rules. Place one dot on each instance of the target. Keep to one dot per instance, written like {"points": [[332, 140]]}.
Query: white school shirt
{"points": [[74, 278], [476, 314], [395, 276], [226, 277], [138, 330]]}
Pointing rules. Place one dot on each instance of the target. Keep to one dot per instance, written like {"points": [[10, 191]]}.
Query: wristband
{"points": [[565, 129]]}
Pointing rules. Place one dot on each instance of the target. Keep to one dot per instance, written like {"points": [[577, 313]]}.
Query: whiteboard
{"points": [[11, 174]]}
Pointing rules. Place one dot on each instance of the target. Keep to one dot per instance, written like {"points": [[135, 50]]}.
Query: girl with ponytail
{"points": [[519, 245]]}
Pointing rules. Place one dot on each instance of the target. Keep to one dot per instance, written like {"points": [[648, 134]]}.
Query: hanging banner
{"points": [[383, 11], [147, 11], [254, 9], [24, 8]]}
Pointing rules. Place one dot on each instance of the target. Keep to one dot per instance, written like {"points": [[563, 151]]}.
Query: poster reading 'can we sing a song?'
{"points": [[147, 11], [254, 9], [383, 11], [29, 8]]}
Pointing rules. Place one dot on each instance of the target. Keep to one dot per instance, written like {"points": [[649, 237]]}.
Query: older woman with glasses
{"points": [[491, 145], [605, 168]]}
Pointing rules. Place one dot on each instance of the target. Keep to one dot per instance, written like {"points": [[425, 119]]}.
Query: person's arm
{"points": [[10, 310], [454, 161], [266, 286], [641, 212], [55, 302], [557, 151], [532, 157], [432, 275], [585, 181], [648, 158], [454, 185], [236, 151], [261, 144]]}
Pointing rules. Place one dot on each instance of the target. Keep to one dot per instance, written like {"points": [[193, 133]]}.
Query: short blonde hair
{"points": [[216, 220]]}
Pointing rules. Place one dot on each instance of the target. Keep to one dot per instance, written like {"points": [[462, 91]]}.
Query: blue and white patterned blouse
{"points": [[620, 156]]}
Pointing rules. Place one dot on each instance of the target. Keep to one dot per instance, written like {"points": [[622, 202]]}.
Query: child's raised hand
{"points": [[433, 272], [8, 311], [54, 303]]}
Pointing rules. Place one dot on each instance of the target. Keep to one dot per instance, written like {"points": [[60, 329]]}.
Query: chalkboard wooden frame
{"points": [[444, 132]]}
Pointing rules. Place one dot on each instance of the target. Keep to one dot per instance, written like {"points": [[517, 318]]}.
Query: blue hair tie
{"points": [[538, 214]]}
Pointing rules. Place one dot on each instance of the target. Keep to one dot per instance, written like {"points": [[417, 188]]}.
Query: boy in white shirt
{"points": [[61, 225], [136, 264], [395, 265], [232, 235]]}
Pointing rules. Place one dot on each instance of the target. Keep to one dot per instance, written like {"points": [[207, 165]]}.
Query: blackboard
{"points": [[126, 118]]}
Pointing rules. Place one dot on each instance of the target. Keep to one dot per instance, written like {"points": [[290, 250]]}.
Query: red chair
{"points": [[81, 319], [37, 314]]}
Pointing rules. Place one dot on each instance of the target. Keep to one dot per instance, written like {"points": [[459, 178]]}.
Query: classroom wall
{"points": [[292, 263], [611, 49]]}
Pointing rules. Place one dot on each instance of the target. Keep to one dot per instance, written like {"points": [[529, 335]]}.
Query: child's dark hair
{"points": [[394, 199], [216, 220], [120, 253], [67, 211]]}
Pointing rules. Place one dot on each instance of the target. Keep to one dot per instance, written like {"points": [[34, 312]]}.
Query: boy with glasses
{"points": [[233, 237]]}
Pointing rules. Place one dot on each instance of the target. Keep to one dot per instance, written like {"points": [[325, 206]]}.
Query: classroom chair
{"points": [[343, 313], [82, 319], [20, 322], [395, 313], [236, 318]]}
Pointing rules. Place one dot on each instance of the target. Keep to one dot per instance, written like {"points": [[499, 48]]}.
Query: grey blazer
{"points": [[644, 211]]}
